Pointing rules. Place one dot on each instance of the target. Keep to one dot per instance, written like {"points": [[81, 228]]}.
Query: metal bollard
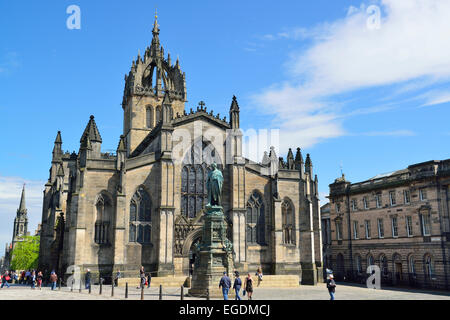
{"points": [[207, 294], [101, 284], [126, 290], [80, 286], [71, 288], [112, 289], [142, 292], [182, 294], [89, 288], [160, 292], [59, 284]]}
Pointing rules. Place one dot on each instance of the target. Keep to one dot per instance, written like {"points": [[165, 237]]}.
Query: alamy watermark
{"points": [[74, 20]]}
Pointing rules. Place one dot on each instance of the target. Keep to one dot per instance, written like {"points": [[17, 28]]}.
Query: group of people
{"points": [[28, 277], [146, 278], [246, 285]]}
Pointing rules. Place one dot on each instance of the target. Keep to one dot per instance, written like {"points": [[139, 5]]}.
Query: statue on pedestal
{"points": [[214, 186]]}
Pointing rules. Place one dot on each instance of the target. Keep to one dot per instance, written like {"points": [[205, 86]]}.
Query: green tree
{"points": [[25, 254]]}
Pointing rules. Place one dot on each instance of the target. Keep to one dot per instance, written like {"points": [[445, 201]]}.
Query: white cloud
{"points": [[10, 192], [346, 56], [436, 97]]}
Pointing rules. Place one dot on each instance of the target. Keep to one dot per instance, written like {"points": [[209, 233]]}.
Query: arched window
{"points": [[102, 223], [287, 214], [196, 166], [158, 114], [429, 266], [370, 261], [149, 117], [140, 217], [193, 189], [255, 230], [384, 265]]}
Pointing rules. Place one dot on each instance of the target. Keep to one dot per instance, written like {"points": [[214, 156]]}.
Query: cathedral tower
{"points": [[150, 77]]}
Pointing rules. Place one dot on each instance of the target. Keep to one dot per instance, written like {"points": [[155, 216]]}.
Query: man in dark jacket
{"points": [[237, 285], [225, 283], [87, 279], [331, 285]]}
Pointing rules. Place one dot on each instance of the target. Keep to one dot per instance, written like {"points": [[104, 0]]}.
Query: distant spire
{"points": [[57, 150], [22, 206]]}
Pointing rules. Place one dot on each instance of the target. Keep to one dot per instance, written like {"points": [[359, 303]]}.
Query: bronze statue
{"points": [[214, 186]]}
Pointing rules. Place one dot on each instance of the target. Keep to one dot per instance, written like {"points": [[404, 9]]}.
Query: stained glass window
{"points": [[104, 208], [255, 219], [140, 217]]}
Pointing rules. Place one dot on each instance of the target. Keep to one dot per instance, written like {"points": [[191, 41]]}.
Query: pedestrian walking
{"points": [[39, 280], [27, 277], [116, 280], [53, 279], [87, 279], [237, 285], [33, 280], [331, 285], [142, 276], [225, 284], [259, 274], [5, 279], [149, 279], [248, 286]]}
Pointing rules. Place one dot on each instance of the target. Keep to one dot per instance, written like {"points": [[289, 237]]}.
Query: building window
{"points": [[394, 224], [338, 207], [423, 194], [287, 213], [358, 263], [367, 227], [149, 117], [140, 217], [370, 261], [411, 265], [378, 200], [193, 189], [392, 198], [158, 115], [407, 196], [255, 232], [353, 203], [380, 228], [384, 265], [355, 229], [339, 230], [365, 203], [409, 226], [426, 224], [429, 267], [102, 223]]}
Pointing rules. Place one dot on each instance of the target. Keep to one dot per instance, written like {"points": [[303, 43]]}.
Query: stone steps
{"points": [[175, 282]]}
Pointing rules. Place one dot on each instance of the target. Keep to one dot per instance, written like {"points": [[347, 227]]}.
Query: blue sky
{"points": [[371, 100]]}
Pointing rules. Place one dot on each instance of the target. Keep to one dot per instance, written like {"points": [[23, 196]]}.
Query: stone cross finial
{"points": [[201, 104]]}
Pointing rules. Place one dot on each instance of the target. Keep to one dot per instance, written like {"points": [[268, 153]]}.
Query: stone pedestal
{"points": [[309, 273], [214, 255]]}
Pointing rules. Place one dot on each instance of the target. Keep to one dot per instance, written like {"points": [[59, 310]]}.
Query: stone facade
{"points": [[143, 207], [398, 221]]}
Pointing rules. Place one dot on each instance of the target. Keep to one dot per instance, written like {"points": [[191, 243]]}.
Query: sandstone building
{"points": [[143, 207], [398, 221]]}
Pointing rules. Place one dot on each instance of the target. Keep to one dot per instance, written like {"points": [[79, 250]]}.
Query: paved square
{"points": [[319, 292]]}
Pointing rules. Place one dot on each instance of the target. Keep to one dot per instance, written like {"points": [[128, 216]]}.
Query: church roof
{"points": [[91, 131]]}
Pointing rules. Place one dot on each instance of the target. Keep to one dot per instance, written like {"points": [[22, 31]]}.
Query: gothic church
{"points": [[141, 207]]}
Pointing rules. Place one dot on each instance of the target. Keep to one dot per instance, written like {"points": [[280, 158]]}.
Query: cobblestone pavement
{"points": [[319, 292]]}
